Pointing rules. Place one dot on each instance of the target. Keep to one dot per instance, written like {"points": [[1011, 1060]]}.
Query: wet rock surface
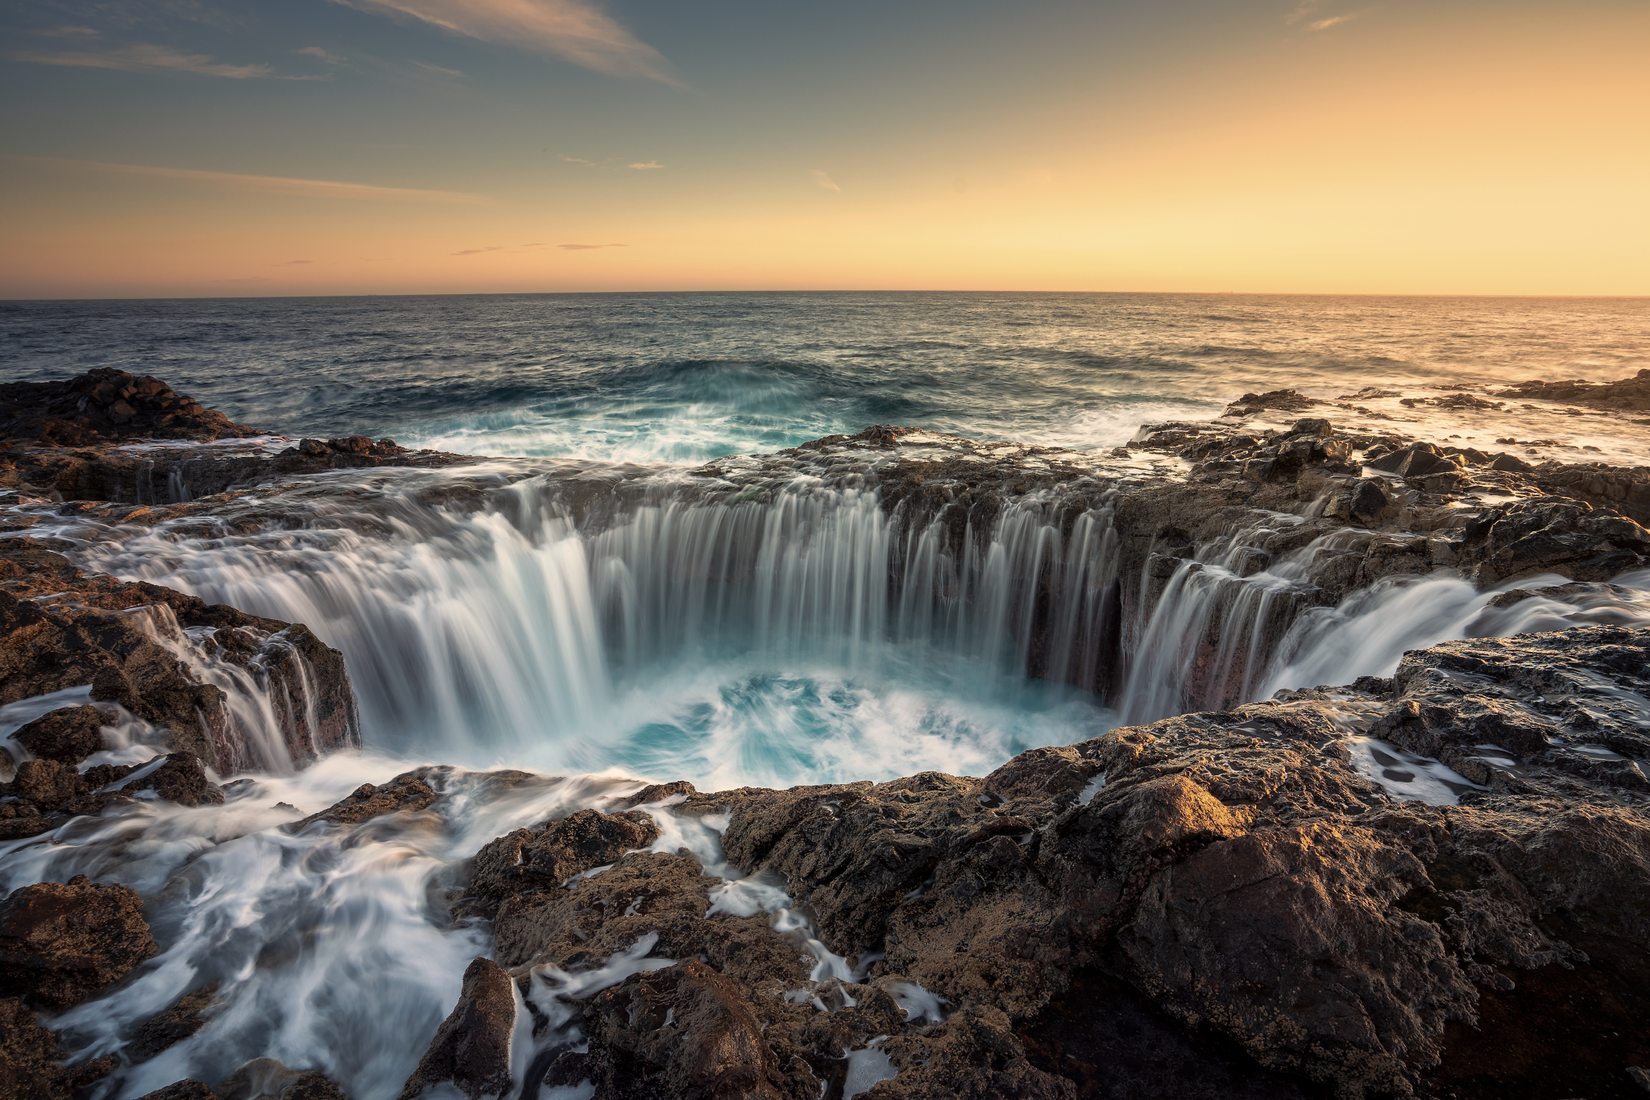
{"points": [[106, 404], [1624, 395], [471, 1049], [61, 943], [1242, 903], [162, 657]]}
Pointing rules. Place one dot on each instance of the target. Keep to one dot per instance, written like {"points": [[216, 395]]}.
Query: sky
{"points": [[153, 148]]}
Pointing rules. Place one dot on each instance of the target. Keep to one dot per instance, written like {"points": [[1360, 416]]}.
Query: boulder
{"points": [[471, 1048], [62, 943], [67, 734]]}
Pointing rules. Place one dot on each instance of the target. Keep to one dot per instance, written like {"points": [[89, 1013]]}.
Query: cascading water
{"points": [[803, 632], [514, 631], [800, 631]]}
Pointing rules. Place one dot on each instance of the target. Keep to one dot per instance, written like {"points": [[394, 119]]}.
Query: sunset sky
{"points": [[205, 147]]}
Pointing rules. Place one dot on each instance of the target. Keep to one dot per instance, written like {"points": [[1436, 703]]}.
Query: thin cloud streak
{"points": [[586, 247], [320, 53], [1309, 14], [143, 57], [1332, 21], [824, 180], [645, 166], [279, 185], [573, 30]]}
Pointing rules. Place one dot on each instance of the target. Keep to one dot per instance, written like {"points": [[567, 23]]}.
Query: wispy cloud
{"points": [[1332, 21], [278, 185], [292, 263], [479, 251], [320, 53], [68, 30], [142, 57], [1314, 15], [431, 69], [824, 180], [609, 164], [586, 247], [574, 30]]}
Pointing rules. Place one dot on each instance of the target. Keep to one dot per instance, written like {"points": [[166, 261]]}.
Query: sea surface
{"points": [[689, 377]]}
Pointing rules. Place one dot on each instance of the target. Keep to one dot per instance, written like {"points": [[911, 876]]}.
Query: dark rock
{"points": [[186, 1016], [687, 1031], [1283, 400], [406, 793], [124, 638], [68, 734], [1369, 502], [471, 1048], [61, 944], [1623, 395], [106, 404], [180, 778], [267, 1079], [189, 1089], [1415, 460], [547, 857], [31, 1064]]}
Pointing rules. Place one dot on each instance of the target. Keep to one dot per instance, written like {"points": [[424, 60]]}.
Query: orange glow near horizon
{"points": [[1408, 151]]}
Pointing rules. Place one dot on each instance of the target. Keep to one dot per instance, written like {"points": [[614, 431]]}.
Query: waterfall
{"points": [[543, 615], [525, 619]]}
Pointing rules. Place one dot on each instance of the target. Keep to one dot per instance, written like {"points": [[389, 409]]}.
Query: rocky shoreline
{"points": [[1433, 884]]}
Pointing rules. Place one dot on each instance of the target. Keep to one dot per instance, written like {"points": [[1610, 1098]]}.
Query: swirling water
{"points": [[725, 641]]}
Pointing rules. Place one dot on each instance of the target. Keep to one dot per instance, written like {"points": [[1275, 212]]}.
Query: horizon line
{"points": [[1434, 295]]}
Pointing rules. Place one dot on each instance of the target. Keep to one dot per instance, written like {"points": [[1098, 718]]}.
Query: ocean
{"points": [[682, 378]]}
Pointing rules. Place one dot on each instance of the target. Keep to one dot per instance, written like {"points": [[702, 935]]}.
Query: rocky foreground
{"points": [[1436, 884]]}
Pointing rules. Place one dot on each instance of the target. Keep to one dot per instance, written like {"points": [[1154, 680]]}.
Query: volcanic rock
{"points": [[548, 856], [471, 1048], [68, 734], [405, 793], [62, 943]]}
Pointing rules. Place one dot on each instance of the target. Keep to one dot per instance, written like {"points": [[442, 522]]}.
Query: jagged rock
{"points": [[1283, 400], [645, 894], [1415, 460], [189, 1089], [125, 639], [1623, 395], [267, 1079], [63, 943], [688, 1031], [546, 857], [31, 1064], [406, 793], [107, 404], [1369, 502], [68, 734], [1549, 535], [180, 778], [471, 1048], [52, 787]]}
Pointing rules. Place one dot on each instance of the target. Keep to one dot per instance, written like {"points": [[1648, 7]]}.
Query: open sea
{"points": [[689, 377]]}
